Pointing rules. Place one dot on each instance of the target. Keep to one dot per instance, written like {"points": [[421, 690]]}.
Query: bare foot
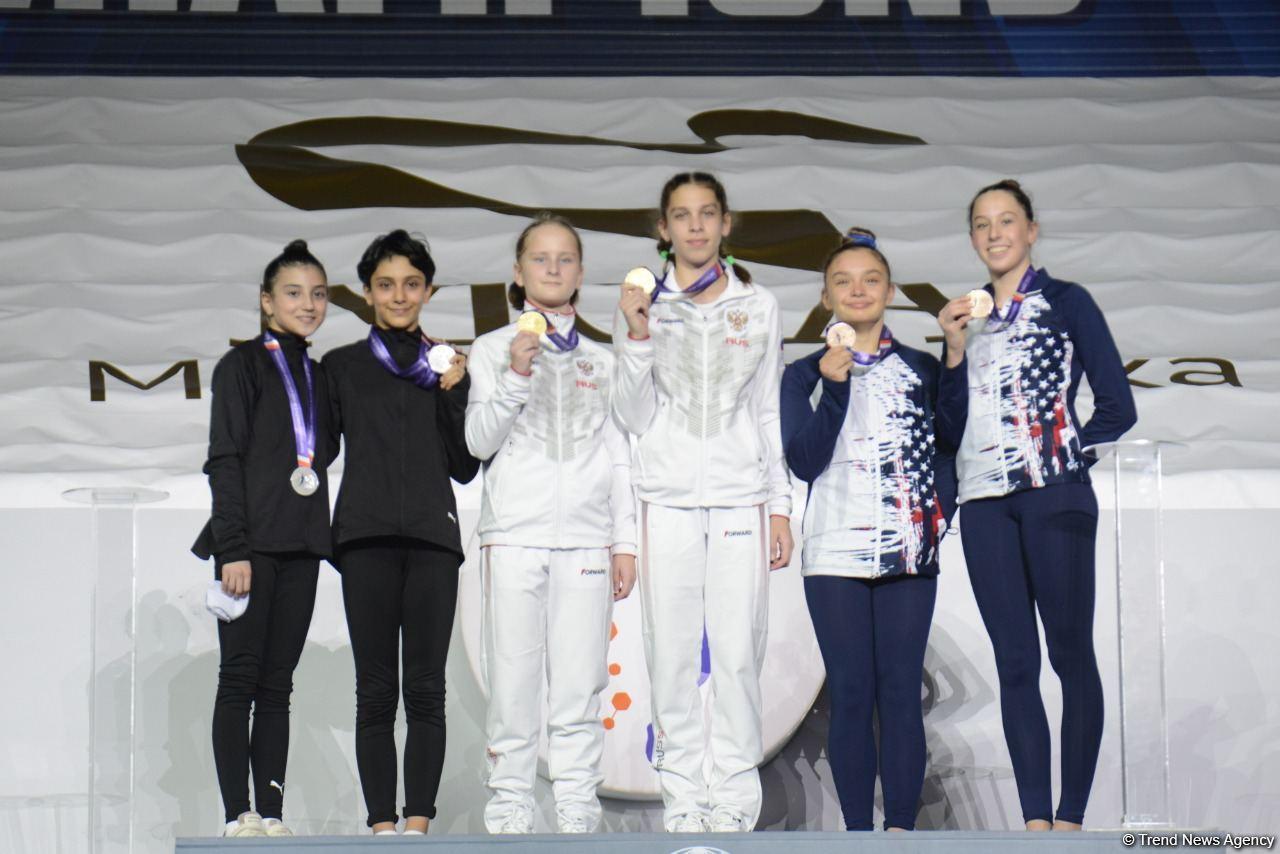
{"points": [[1039, 824], [416, 822], [896, 829], [384, 825], [1066, 825]]}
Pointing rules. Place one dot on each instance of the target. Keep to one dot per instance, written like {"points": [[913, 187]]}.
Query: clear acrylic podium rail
{"points": [[1136, 466], [113, 659]]}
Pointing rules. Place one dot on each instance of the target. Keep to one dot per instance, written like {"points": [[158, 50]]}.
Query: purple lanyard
{"points": [[420, 373], [564, 343], [866, 360], [706, 280], [1015, 302], [304, 427]]}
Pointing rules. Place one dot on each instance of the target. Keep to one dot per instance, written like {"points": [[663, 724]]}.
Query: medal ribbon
{"points": [[704, 281], [1015, 302], [420, 373], [304, 427], [564, 343], [866, 360]]}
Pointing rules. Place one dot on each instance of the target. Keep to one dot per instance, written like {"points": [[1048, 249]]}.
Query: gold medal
{"points": [[642, 278], [532, 321]]}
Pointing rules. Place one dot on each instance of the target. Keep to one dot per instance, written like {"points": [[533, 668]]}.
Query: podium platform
{"points": [[770, 842]]}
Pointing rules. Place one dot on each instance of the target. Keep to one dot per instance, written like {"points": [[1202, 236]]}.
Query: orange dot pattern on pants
{"points": [[621, 700]]}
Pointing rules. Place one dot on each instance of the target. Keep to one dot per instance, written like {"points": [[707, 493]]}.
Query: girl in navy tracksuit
{"points": [[268, 530], [880, 494], [1029, 517]]}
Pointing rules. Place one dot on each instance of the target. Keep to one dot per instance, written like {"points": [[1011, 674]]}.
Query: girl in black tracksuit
{"points": [[395, 528], [268, 530]]}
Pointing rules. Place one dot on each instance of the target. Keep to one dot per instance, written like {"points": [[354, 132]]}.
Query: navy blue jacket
{"points": [[914, 476], [1009, 406]]}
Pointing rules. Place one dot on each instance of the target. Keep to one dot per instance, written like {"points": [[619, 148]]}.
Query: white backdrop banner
{"points": [[138, 215]]}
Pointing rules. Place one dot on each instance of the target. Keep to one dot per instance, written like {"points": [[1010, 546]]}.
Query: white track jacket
{"points": [[557, 468], [701, 394]]}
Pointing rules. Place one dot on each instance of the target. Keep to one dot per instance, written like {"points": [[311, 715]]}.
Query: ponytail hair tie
{"points": [[729, 260], [860, 238], [664, 254]]}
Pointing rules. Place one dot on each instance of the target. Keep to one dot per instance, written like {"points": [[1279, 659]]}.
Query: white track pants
{"points": [[546, 621], [706, 564]]}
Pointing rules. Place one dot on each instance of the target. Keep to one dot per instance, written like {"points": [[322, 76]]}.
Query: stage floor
{"points": [[773, 842]]}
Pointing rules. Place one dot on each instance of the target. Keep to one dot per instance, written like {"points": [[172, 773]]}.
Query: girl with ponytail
{"points": [[1015, 352], [881, 490], [699, 362], [268, 531]]}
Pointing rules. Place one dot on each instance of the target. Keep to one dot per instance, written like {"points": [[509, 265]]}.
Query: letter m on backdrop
{"points": [[98, 378]]}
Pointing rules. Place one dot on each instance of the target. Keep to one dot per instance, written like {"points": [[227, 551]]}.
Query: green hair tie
{"points": [[664, 254], [729, 260]]}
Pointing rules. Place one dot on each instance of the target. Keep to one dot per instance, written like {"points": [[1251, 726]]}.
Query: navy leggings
{"points": [[1029, 551], [873, 634]]}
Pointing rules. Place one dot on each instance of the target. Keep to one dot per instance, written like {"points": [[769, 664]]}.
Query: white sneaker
{"points": [[725, 820], [248, 824], [690, 822], [275, 827], [517, 821], [576, 823]]}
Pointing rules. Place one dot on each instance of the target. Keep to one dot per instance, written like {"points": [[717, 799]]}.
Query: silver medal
{"points": [[440, 358], [304, 480]]}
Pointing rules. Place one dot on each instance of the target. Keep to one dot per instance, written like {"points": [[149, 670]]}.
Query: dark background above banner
{"points": [[443, 38]]}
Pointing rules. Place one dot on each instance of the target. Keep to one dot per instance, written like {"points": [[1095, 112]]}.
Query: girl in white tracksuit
{"points": [[557, 531], [699, 365]]}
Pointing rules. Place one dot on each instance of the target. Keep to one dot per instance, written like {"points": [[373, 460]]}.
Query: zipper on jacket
{"points": [[558, 517], [874, 441], [706, 388], [997, 396], [404, 423]]}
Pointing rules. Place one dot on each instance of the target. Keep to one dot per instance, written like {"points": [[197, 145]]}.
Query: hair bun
{"points": [[859, 236], [296, 247]]}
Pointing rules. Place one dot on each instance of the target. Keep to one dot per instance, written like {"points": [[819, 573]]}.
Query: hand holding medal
{"points": [[842, 356], [637, 296], [952, 320], [837, 362], [642, 278], [448, 363], [532, 322], [527, 342], [980, 303]]}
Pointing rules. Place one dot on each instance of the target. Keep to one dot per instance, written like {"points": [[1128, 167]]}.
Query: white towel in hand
{"points": [[222, 605]]}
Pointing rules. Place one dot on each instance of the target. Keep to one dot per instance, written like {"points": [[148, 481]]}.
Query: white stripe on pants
{"points": [[706, 564], [545, 608]]}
